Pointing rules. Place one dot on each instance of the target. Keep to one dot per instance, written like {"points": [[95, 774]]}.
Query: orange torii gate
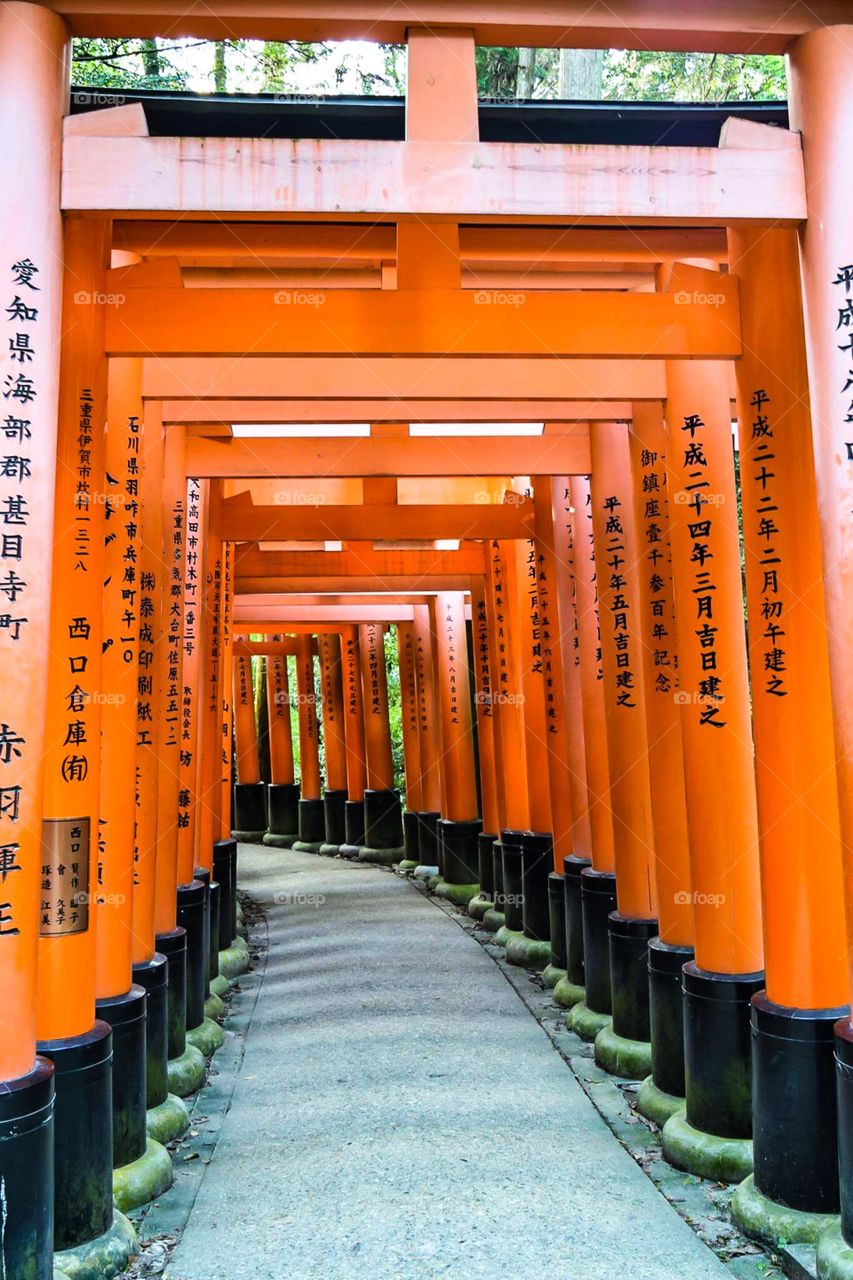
{"points": [[446, 229]]}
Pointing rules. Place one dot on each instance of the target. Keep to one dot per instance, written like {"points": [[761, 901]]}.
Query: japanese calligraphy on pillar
{"points": [[701, 533], [765, 517], [64, 876], [656, 564], [411, 699], [499, 589], [376, 646], [452, 659], [481, 651], [190, 654], [618, 601]]}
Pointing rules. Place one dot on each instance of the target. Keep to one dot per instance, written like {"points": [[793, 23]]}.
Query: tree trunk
{"points": [[581, 75], [526, 72], [220, 71], [150, 57]]}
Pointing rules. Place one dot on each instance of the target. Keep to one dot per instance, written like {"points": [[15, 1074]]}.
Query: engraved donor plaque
{"points": [[64, 876]]}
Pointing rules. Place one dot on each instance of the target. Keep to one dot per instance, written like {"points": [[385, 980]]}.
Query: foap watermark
{"points": [[83, 298], [697, 899], [99, 698], [96, 98], [498, 698], [298, 298], [284, 898], [683, 498], [508, 498], [684, 699], [696, 298], [283, 699], [286, 499], [499, 298]]}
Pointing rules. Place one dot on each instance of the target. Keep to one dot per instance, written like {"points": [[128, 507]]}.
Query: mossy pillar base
{"points": [[557, 920], [461, 858], [173, 946], [126, 1015], [717, 1050], [153, 975], [428, 820], [411, 839], [598, 899], [202, 874], [383, 826], [83, 1136], [225, 873], [26, 1159], [573, 913], [353, 828], [282, 814], [624, 1048], [191, 917], [844, 1096], [537, 863], [834, 1255], [312, 826], [485, 864], [511, 900], [666, 1015], [250, 811], [794, 1110], [334, 820]]}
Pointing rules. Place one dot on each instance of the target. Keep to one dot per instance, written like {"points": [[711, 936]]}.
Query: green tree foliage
{"points": [[129, 64]]}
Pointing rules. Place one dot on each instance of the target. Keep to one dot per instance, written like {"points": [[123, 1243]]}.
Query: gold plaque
{"points": [[64, 881]]}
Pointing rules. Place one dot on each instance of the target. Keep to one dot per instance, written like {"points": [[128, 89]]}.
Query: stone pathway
{"points": [[400, 1115]]}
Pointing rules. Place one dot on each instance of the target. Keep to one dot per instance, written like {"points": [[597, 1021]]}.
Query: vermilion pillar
{"points": [[673, 948], [282, 792], [68, 1029], [718, 770], [193, 676], [491, 783], [459, 826], [225, 687], [801, 864], [597, 883], [312, 827], [249, 791], [411, 740], [207, 812], [334, 741], [383, 822], [634, 923], [429, 738], [354, 736], [820, 97]]}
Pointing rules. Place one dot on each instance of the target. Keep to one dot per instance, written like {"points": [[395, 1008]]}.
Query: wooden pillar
{"points": [[798, 823], [490, 783], [194, 675], [454, 696], [278, 712], [718, 766], [526, 616], [429, 742], [333, 708], [34, 48], [507, 695], [208, 817], [354, 737], [309, 736], [409, 704], [225, 688], [245, 725], [374, 684]]}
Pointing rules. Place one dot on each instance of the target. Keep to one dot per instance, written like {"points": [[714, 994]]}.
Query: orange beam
{"points": [[196, 414], [245, 523]]}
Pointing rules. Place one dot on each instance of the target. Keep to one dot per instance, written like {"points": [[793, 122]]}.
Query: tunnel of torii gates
{"points": [[626, 749]]}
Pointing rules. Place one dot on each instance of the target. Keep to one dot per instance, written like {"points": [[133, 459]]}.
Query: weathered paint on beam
{"points": [[244, 457], [274, 177]]}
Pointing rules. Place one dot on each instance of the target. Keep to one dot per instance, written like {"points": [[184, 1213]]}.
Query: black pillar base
{"points": [[458, 841], [794, 1109], [537, 863], [83, 1136], [282, 813], [153, 975], [312, 826], [202, 874], [26, 1158], [225, 872], [598, 899], [354, 829], [572, 868], [666, 1015], [717, 1053], [411, 837], [250, 811], [334, 813], [497, 873], [844, 1096], [557, 919], [629, 975], [512, 898], [383, 819], [173, 946], [485, 863], [191, 918], [214, 894], [126, 1015], [428, 820]]}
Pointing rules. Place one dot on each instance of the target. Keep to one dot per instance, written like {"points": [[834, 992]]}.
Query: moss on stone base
{"points": [[306, 846], [772, 1223], [503, 935], [567, 995], [704, 1154], [528, 953], [144, 1179], [329, 850], [586, 1022], [656, 1105], [834, 1255], [384, 857], [628, 1059], [234, 960], [219, 986], [248, 837], [407, 865], [214, 1007], [274, 841], [350, 851], [101, 1258], [459, 894], [478, 906], [186, 1073], [207, 1037], [551, 975], [494, 920], [167, 1121]]}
